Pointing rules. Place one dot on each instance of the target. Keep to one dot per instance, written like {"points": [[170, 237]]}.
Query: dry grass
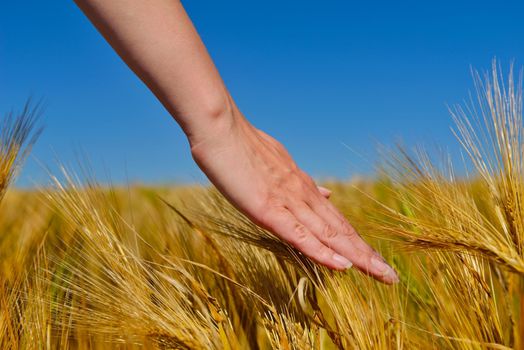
{"points": [[84, 266]]}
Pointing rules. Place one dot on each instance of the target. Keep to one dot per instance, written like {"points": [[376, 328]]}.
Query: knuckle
{"points": [[269, 215], [300, 234], [273, 200], [351, 232], [285, 180], [271, 203], [343, 224], [305, 187], [308, 179], [329, 232], [294, 183]]}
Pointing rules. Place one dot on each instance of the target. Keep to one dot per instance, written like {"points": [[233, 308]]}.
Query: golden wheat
{"points": [[84, 266]]}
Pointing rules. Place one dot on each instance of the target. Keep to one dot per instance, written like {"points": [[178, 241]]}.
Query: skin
{"points": [[251, 169]]}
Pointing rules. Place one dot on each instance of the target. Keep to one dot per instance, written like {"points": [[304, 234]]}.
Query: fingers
{"points": [[337, 233], [324, 191], [283, 223], [315, 226]]}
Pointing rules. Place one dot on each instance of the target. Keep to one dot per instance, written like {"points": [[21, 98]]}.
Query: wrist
{"points": [[216, 131], [214, 117]]}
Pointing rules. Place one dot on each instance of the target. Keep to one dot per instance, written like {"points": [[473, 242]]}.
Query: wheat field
{"points": [[87, 266]]}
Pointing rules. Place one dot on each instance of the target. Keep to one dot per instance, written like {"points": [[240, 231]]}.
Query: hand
{"points": [[259, 177], [254, 171]]}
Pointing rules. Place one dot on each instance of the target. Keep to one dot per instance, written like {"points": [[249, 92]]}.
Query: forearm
{"points": [[158, 42], [253, 170]]}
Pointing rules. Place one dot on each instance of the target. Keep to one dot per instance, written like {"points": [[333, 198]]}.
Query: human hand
{"points": [[250, 168], [258, 176]]}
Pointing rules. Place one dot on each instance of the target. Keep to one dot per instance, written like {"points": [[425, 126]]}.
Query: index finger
{"points": [[348, 243]]}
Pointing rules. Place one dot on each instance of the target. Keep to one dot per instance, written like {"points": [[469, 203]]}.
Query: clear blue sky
{"points": [[314, 74]]}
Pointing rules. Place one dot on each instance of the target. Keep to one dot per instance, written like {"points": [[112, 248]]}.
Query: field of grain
{"points": [[85, 266]]}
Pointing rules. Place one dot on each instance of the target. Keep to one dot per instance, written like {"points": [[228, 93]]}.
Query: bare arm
{"points": [[159, 43]]}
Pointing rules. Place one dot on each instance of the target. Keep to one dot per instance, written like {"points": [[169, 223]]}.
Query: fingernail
{"points": [[343, 262], [327, 191], [324, 191], [384, 269]]}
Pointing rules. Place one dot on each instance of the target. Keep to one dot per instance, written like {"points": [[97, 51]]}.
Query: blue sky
{"points": [[317, 75]]}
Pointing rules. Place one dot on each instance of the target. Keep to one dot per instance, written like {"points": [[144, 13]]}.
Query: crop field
{"points": [[87, 266]]}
